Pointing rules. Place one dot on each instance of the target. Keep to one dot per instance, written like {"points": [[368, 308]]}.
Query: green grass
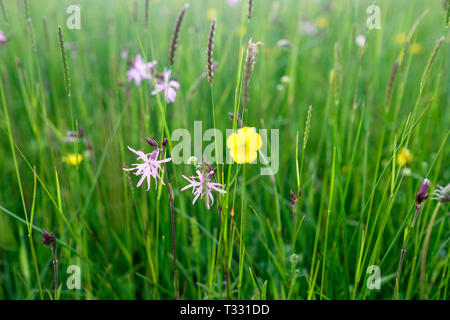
{"points": [[356, 200]]}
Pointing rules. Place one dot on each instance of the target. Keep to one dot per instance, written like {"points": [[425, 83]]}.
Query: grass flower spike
{"points": [[250, 61], [250, 9], [209, 52], [176, 32], [203, 184], [149, 168], [64, 61], [244, 145], [5, 15]]}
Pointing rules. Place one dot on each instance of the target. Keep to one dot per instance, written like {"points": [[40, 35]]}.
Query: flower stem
{"points": [[241, 234], [402, 255], [55, 270], [172, 221], [425, 251]]}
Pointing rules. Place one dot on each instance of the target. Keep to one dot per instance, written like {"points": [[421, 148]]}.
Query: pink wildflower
{"points": [[124, 54], [168, 86], [232, 3], [150, 167], [140, 70], [3, 37], [201, 185], [308, 27]]}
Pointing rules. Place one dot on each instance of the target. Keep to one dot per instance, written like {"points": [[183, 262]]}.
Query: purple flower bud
{"points": [[89, 145], [152, 142], [239, 118], [79, 133], [422, 195], [165, 141], [293, 197], [48, 239]]}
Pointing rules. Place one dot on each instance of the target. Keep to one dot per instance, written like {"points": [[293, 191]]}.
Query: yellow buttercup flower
{"points": [[400, 38], [415, 48], [73, 159], [241, 31], [322, 22], [404, 157], [211, 14], [244, 145]]}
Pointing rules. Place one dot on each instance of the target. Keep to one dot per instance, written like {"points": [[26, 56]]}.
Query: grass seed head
{"points": [[250, 61], [250, 9], [209, 52], [176, 31], [390, 86], [307, 127], [2, 5], [64, 61]]}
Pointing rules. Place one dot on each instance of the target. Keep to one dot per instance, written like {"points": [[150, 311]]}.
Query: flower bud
{"points": [[422, 195], [152, 142], [48, 239], [293, 197]]}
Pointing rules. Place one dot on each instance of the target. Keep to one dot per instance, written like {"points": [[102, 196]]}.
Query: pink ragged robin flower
{"points": [[168, 86], [3, 37], [232, 3], [140, 70], [202, 185], [150, 167]]}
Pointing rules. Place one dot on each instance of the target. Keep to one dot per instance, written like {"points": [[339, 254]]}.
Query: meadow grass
{"points": [[346, 113]]}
